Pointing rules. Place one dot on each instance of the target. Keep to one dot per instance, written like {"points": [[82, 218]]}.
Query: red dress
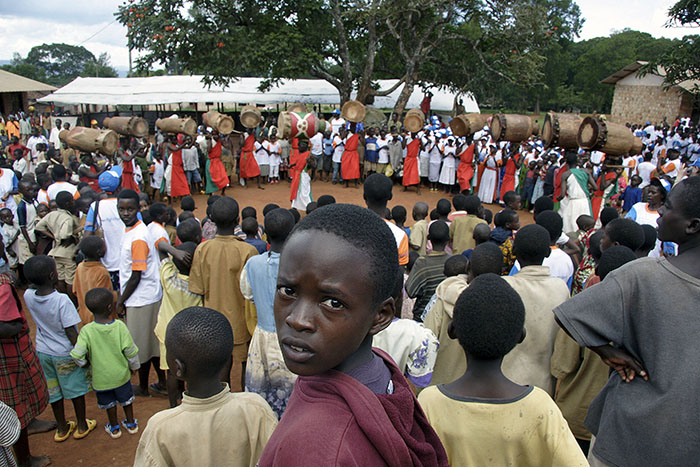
{"points": [[410, 164], [249, 166], [508, 182], [295, 172], [465, 171], [93, 182], [128, 181], [350, 163], [217, 172], [597, 199], [178, 180]]}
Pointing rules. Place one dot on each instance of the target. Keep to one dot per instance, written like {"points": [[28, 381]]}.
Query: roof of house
{"points": [[10, 82], [689, 85]]}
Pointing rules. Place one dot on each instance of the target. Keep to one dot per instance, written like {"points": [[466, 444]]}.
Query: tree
{"points": [[680, 63], [342, 42], [99, 68], [18, 67]]}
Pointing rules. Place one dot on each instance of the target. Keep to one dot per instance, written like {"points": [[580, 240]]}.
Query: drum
{"points": [[613, 139], [353, 111], [185, 126], [467, 124], [299, 125], [413, 121], [512, 127], [132, 126], [298, 107], [561, 130], [219, 122], [250, 116], [91, 140]]}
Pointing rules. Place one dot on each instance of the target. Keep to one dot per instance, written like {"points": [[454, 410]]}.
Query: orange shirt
{"points": [[89, 275]]}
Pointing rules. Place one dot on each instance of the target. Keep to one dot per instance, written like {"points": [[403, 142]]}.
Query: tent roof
{"points": [[186, 89], [689, 85], [10, 82]]}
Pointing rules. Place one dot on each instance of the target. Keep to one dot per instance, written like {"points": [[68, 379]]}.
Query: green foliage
{"points": [[59, 64]]}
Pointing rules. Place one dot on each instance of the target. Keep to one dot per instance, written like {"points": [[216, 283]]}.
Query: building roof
{"points": [[172, 89], [10, 82], [688, 85]]}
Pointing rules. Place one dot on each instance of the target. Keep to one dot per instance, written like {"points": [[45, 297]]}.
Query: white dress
{"points": [[489, 179], [303, 197], [575, 204], [448, 171]]}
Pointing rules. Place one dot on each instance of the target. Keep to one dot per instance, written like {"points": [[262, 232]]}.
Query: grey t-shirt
{"points": [[651, 309]]}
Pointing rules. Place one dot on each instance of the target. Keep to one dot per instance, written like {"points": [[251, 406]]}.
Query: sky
{"points": [[90, 23]]}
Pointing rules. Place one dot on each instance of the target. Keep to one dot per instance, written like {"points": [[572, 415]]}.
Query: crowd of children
{"points": [[455, 340]]}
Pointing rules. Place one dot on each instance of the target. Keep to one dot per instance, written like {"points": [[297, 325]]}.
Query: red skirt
{"points": [[507, 184], [410, 172], [249, 166], [350, 165], [178, 182], [465, 173]]}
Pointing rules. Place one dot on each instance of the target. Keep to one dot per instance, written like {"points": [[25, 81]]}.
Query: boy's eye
{"points": [[333, 303], [285, 291]]}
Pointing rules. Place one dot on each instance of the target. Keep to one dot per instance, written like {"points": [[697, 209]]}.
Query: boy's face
{"points": [[605, 241], [672, 224], [6, 217], [514, 224], [515, 204], [323, 306], [42, 210], [128, 211]]}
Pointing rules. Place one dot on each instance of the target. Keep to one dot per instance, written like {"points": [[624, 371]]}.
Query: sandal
{"points": [[132, 428], [91, 425], [61, 438], [113, 431]]}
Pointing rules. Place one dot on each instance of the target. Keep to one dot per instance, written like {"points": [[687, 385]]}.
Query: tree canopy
{"points": [[59, 64]]}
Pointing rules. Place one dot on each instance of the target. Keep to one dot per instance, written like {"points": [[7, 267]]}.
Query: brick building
{"points": [[16, 92], [638, 99]]}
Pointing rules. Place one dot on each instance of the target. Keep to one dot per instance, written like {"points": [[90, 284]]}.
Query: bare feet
{"points": [[40, 426], [260, 188], [37, 461]]}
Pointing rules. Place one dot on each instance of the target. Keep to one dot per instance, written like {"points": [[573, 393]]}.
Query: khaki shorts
{"points": [[65, 267]]}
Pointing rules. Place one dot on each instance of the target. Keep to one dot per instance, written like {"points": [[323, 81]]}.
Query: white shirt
{"points": [[338, 149], [190, 159], [644, 170], [113, 228], [316, 144], [57, 187], [560, 265], [54, 138], [157, 234], [149, 289], [275, 152], [261, 156], [33, 141], [52, 313], [157, 175], [337, 124], [383, 146]]}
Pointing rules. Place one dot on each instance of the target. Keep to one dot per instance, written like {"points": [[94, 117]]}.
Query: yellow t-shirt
{"points": [[526, 431]]}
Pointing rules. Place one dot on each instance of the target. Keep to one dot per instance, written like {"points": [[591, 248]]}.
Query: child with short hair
{"points": [[56, 321], [106, 345], [418, 238], [90, 274], [337, 274], [212, 426], [189, 231], [10, 235], [632, 194], [398, 215], [506, 222], [483, 417], [175, 279], [250, 228]]}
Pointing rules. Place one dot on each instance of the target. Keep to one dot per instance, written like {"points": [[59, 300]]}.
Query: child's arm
{"points": [[72, 334], [9, 329], [129, 349], [80, 352], [129, 289]]}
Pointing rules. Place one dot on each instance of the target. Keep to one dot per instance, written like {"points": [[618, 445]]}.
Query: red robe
{"points": [[557, 181], [508, 182], [465, 171], [410, 164], [178, 179], [295, 171], [350, 163], [128, 181], [249, 166], [597, 199], [333, 419], [93, 182], [217, 172]]}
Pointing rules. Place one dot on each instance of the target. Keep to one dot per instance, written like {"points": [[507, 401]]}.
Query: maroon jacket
{"points": [[333, 419]]}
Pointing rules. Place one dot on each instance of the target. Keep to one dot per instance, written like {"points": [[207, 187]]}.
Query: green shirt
{"points": [[111, 352]]}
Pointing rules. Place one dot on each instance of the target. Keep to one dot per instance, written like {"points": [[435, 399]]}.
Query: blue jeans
{"points": [[337, 174]]}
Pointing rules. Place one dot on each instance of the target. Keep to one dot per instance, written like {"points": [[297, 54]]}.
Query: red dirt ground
{"points": [[98, 448]]}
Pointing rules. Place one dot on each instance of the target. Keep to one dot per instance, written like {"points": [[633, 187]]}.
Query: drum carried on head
{"points": [[132, 126], [299, 125], [353, 111], [414, 120], [298, 107], [512, 127], [613, 139], [468, 124], [250, 116], [561, 130], [91, 139], [186, 126], [219, 122]]}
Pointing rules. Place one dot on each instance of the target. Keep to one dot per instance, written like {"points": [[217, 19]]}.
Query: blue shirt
{"points": [[631, 196], [262, 273], [328, 146], [371, 153]]}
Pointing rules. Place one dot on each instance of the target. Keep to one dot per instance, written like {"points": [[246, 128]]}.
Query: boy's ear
{"points": [[383, 317], [522, 336], [451, 330], [693, 227], [179, 370]]}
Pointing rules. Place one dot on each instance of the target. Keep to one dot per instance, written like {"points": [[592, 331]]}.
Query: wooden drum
{"points": [[561, 130], [132, 126], [299, 125], [218, 121], [353, 111], [91, 140], [185, 126], [512, 127], [468, 124], [613, 139], [250, 117], [414, 120]]}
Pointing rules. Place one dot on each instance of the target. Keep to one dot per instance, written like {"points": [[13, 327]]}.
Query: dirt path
{"points": [[98, 448]]}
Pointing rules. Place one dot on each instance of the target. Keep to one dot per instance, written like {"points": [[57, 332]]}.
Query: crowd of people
{"points": [[462, 338]]}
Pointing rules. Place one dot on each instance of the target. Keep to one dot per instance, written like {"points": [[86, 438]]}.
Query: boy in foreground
{"points": [[213, 426], [483, 417], [350, 405]]}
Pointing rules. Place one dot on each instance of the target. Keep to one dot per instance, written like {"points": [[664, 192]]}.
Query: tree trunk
{"points": [[537, 105], [406, 92]]}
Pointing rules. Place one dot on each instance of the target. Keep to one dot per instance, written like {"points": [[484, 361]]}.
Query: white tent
{"points": [[186, 89]]}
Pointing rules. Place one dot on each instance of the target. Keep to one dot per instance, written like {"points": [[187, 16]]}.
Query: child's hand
{"points": [[622, 362]]}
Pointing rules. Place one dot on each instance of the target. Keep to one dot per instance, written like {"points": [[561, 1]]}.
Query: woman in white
{"points": [[489, 177], [448, 171], [574, 198]]}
